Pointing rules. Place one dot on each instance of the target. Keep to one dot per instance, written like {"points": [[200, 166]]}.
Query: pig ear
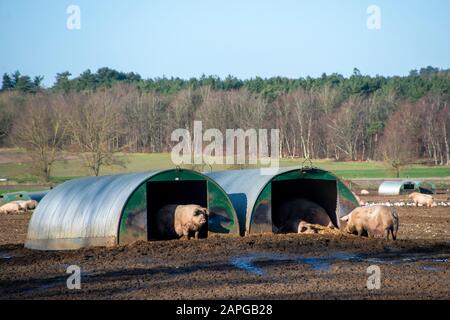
{"points": [[345, 218], [206, 211]]}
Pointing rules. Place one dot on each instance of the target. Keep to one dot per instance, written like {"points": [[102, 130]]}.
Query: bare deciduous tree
{"points": [[444, 118], [93, 125], [41, 132], [346, 128]]}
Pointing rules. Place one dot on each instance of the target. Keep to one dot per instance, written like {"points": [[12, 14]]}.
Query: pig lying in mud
{"points": [[176, 221], [10, 208], [18, 206], [420, 198], [372, 221], [26, 204], [295, 216]]}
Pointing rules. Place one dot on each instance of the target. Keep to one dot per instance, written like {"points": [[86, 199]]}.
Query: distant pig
{"points": [[10, 208], [176, 221], [26, 205], [364, 192], [372, 221], [293, 212], [22, 204], [420, 198], [31, 204]]}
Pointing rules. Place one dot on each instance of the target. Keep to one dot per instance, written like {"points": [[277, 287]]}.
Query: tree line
{"points": [[399, 120]]}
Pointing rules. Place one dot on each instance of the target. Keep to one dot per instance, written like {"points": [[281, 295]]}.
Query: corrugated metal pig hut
{"points": [[119, 209], [257, 197], [22, 195], [400, 187]]}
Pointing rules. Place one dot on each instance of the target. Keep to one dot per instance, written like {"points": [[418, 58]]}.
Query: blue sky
{"points": [[245, 38]]}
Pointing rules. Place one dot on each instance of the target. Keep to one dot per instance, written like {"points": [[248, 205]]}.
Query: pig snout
{"points": [[199, 217], [346, 223]]}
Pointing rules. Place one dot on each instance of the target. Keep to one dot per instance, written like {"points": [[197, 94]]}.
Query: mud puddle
{"points": [[8, 255], [251, 262]]}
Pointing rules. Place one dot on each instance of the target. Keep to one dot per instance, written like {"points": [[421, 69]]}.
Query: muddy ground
{"points": [[257, 267]]}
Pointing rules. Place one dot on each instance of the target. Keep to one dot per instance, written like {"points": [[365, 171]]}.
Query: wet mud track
{"points": [[257, 267]]}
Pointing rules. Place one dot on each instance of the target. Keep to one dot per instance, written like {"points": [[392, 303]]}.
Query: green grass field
{"points": [[23, 172]]}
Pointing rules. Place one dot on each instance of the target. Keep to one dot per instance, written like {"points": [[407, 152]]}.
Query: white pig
{"points": [[26, 205], [22, 204], [422, 199], [373, 221], [175, 221], [9, 208]]}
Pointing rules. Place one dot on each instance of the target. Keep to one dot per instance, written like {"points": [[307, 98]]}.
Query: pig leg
{"points": [[359, 231], [185, 235], [394, 237], [196, 235], [373, 233]]}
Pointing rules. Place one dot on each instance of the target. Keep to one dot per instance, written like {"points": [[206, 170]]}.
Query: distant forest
{"points": [[399, 119]]}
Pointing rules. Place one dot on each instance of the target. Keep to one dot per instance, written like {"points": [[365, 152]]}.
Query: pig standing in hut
{"points": [[292, 213], [175, 221], [420, 198], [373, 221]]}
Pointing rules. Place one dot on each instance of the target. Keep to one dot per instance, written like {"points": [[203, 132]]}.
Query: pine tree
{"points": [[7, 83]]}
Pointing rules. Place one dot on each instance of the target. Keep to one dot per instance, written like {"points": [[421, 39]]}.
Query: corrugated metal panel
{"points": [[243, 188], [88, 208], [390, 188]]}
